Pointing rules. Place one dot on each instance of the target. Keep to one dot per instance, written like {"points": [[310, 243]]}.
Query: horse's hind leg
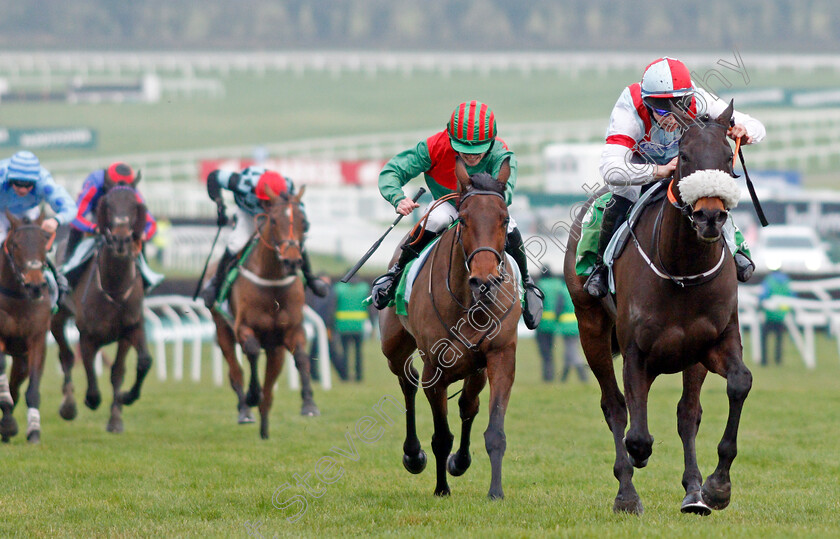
{"points": [[459, 461], [689, 413], [398, 346], [137, 339], [717, 489], [596, 338], [8, 425], [303, 365], [273, 365], [66, 357], [227, 344]]}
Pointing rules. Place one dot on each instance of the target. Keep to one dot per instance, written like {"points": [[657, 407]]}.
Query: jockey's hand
{"points": [[49, 225], [660, 172], [221, 216], [406, 206], [738, 130]]}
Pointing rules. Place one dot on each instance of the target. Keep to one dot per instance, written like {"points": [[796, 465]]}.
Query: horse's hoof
{"points": [[456, 466], [115, 426], [34, 437], [245, 416], [415, 464], [638, 464], [93, 400], [693, 503], [716, 498], [68, 410], [441, 492], [638, 452], [310, 409], [127, 398], [632, 506], [494, 495], [8, 427]]}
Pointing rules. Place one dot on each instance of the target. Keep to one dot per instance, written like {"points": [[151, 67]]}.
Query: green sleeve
{"points": [[401, 169], [498, 156]]}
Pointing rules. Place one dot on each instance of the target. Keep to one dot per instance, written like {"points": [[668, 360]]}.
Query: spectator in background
{"points": [[545, 331], [325, 307], [567, 327], [774, 289], [350, 317]]}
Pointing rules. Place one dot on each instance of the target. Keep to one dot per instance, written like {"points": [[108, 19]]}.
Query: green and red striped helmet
{"points": [[472, 127]]}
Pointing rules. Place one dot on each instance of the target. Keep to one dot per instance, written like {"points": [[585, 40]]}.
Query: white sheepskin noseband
{"points": [[710, 183]]}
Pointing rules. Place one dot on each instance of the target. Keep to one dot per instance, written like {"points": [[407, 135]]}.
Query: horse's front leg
{"points": [[137, 340], [227, 344], [637, 382], [442, 437], [66, 357], [35, 354], [251, 348], [298, 349], [115, 422], [717, 489], [87, 349], [8, 425], [689, 413], [459, 461], [274, 356], [501, 370]]}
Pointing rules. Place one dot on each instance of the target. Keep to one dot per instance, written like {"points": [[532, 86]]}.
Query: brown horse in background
{"points": [[266, 303], [24, 320], [676, 310], [107, 304], [462, 317]]}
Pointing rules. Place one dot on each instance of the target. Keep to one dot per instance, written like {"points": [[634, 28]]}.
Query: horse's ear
{"points": [[14, 221], [300, 193], [272, 196], [462, 175], [101, 215], [726, 116], [504, 171], [137, 178], [40, 219]]}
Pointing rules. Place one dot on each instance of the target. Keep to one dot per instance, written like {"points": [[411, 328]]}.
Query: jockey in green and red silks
{"points": [[471, 134]]}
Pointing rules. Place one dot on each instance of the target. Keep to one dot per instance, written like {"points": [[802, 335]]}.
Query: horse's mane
{"points": [[485, 182]]}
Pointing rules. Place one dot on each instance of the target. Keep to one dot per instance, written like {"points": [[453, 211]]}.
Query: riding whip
{"points": [[206, 263], [375, 246]]}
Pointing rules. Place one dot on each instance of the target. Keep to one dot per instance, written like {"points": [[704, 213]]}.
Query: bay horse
{"points": [[107, 305], [675, 310], [266, 306], [462, 318], [24, 321]]}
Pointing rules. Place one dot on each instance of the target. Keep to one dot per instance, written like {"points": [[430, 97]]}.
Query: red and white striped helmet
{"points": [[666, 77]]}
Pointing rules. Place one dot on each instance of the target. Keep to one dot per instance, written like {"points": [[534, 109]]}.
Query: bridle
{"points": [[279, 248], [468, 258]]}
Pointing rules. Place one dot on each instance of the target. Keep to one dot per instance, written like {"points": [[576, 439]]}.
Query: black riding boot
{"points": [[384, 286], [318, 287], [209, 293], [532, 314], [614, 215], [61, 283], [744, 267]]}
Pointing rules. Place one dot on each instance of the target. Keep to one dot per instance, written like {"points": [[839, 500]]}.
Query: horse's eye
{"points": [[684, 158]]}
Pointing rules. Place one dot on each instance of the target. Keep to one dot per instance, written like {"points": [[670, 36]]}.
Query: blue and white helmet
{"points": [[24, 167]]}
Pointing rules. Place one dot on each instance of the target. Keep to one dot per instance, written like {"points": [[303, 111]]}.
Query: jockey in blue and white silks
{"points": [[94, 188], [642, 143], [250, 195], [24, 185]]}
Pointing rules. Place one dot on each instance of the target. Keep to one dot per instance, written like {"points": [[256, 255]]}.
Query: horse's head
{"points": [[704, 175], [283, 227], [483, 224], [121, 219], [25, 249]]}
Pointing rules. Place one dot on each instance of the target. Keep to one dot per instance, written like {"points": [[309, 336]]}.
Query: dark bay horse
{"points": [[462, 318], [24, 321], [676, 310], [107, 305], [266, 304]]}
